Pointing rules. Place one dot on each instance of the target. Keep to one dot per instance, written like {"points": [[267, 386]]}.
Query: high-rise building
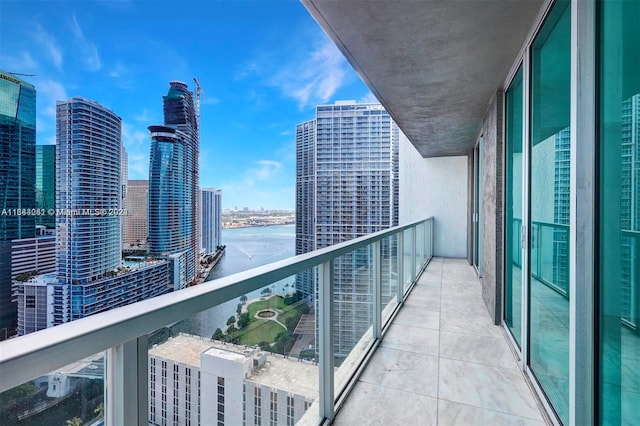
{"points": [[136, 220], [173, 184], [305, 200], [31, 256], [210, 220], [124, 178], [90, 276], [346, 187], [88, 163], [17, 181], [194, 380], [46, 184]]}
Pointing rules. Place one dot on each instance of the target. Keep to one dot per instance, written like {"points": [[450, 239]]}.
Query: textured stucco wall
{"points": [[435, 187], [492, 208]]}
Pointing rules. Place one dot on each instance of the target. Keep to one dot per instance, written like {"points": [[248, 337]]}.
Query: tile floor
{"points": [[442, 362]]}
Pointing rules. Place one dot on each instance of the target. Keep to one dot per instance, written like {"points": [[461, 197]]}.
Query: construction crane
{"points": [[19, 73]]}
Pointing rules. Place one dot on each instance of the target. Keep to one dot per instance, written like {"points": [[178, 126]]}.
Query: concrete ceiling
{"points": [[434, 65]]}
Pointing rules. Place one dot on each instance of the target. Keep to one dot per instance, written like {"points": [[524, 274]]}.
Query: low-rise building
{"points": [[194, 380]]}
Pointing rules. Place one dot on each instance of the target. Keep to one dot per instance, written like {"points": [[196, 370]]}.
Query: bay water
{"points": [[246, 248]]}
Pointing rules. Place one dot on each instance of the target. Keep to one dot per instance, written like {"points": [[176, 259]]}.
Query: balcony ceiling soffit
{"points": [[434, 65]]}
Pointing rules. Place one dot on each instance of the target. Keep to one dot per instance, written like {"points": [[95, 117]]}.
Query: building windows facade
{"points": [[346, 187]]}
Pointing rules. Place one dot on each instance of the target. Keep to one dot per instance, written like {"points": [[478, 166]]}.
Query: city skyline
{"points": [[257, 84]]}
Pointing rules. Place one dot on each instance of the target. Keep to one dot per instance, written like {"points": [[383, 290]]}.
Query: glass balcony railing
{"points": [[300, 332]]}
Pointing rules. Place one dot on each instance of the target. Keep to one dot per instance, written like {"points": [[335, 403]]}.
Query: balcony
{"points": [[415, 344], [443, 361]]}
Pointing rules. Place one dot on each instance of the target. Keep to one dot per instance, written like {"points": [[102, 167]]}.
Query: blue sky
{"points": [[263, 65]]}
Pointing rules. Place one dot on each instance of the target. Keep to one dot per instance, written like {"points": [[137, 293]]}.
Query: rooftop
{"points": [[288, 374]]}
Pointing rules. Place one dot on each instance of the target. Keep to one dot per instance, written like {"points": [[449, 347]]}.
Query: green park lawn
{"points": [[266, 330]]}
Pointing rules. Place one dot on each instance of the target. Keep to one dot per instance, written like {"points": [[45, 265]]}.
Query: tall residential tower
{"points": [[346, 187], [88, 161], [173, 185], [210, 220], [90, 276]]}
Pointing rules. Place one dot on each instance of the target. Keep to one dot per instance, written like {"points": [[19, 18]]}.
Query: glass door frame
{"points": [[522, 349], [476, 258], [583, 320]]}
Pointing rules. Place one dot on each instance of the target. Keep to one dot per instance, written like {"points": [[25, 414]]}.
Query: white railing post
{"points": [[377, 290], [421, 243], [126, 383], [431, 236], [400, 267], [325, 335], [413, 254]]}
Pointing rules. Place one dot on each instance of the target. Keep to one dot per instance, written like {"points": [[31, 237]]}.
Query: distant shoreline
{"points": [[258, 226]]}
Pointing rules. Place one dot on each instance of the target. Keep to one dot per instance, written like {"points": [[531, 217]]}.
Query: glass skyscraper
{"points": [[173, 184], [88, 162], [90, 275], [346, 187], [46, 184], [210, 220], [17, 180]]}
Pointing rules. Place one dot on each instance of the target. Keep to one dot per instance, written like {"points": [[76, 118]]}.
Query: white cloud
{"points": [[50, 44], [316, 78], [133, 137], [138, 166], [48, 92], [118, 70], [309, 77], [368, 98], [144, 117], [266, 169], [88, 50]]}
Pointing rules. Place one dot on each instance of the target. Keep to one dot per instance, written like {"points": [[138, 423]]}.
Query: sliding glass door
{"points": [[549, 207], [618, 350], [513, 208]]}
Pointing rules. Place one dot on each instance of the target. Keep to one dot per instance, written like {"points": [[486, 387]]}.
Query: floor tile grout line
{"points": [[541, 420], [481, 364], [394, 388]]}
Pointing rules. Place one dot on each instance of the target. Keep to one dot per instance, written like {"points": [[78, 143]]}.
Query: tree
{"points": [[231, 320], [21, 394], [99, 409], [243, 299], [291, 323], [76, 421], [218, 334], [239, 309], [244, 320], [26, 276]]}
